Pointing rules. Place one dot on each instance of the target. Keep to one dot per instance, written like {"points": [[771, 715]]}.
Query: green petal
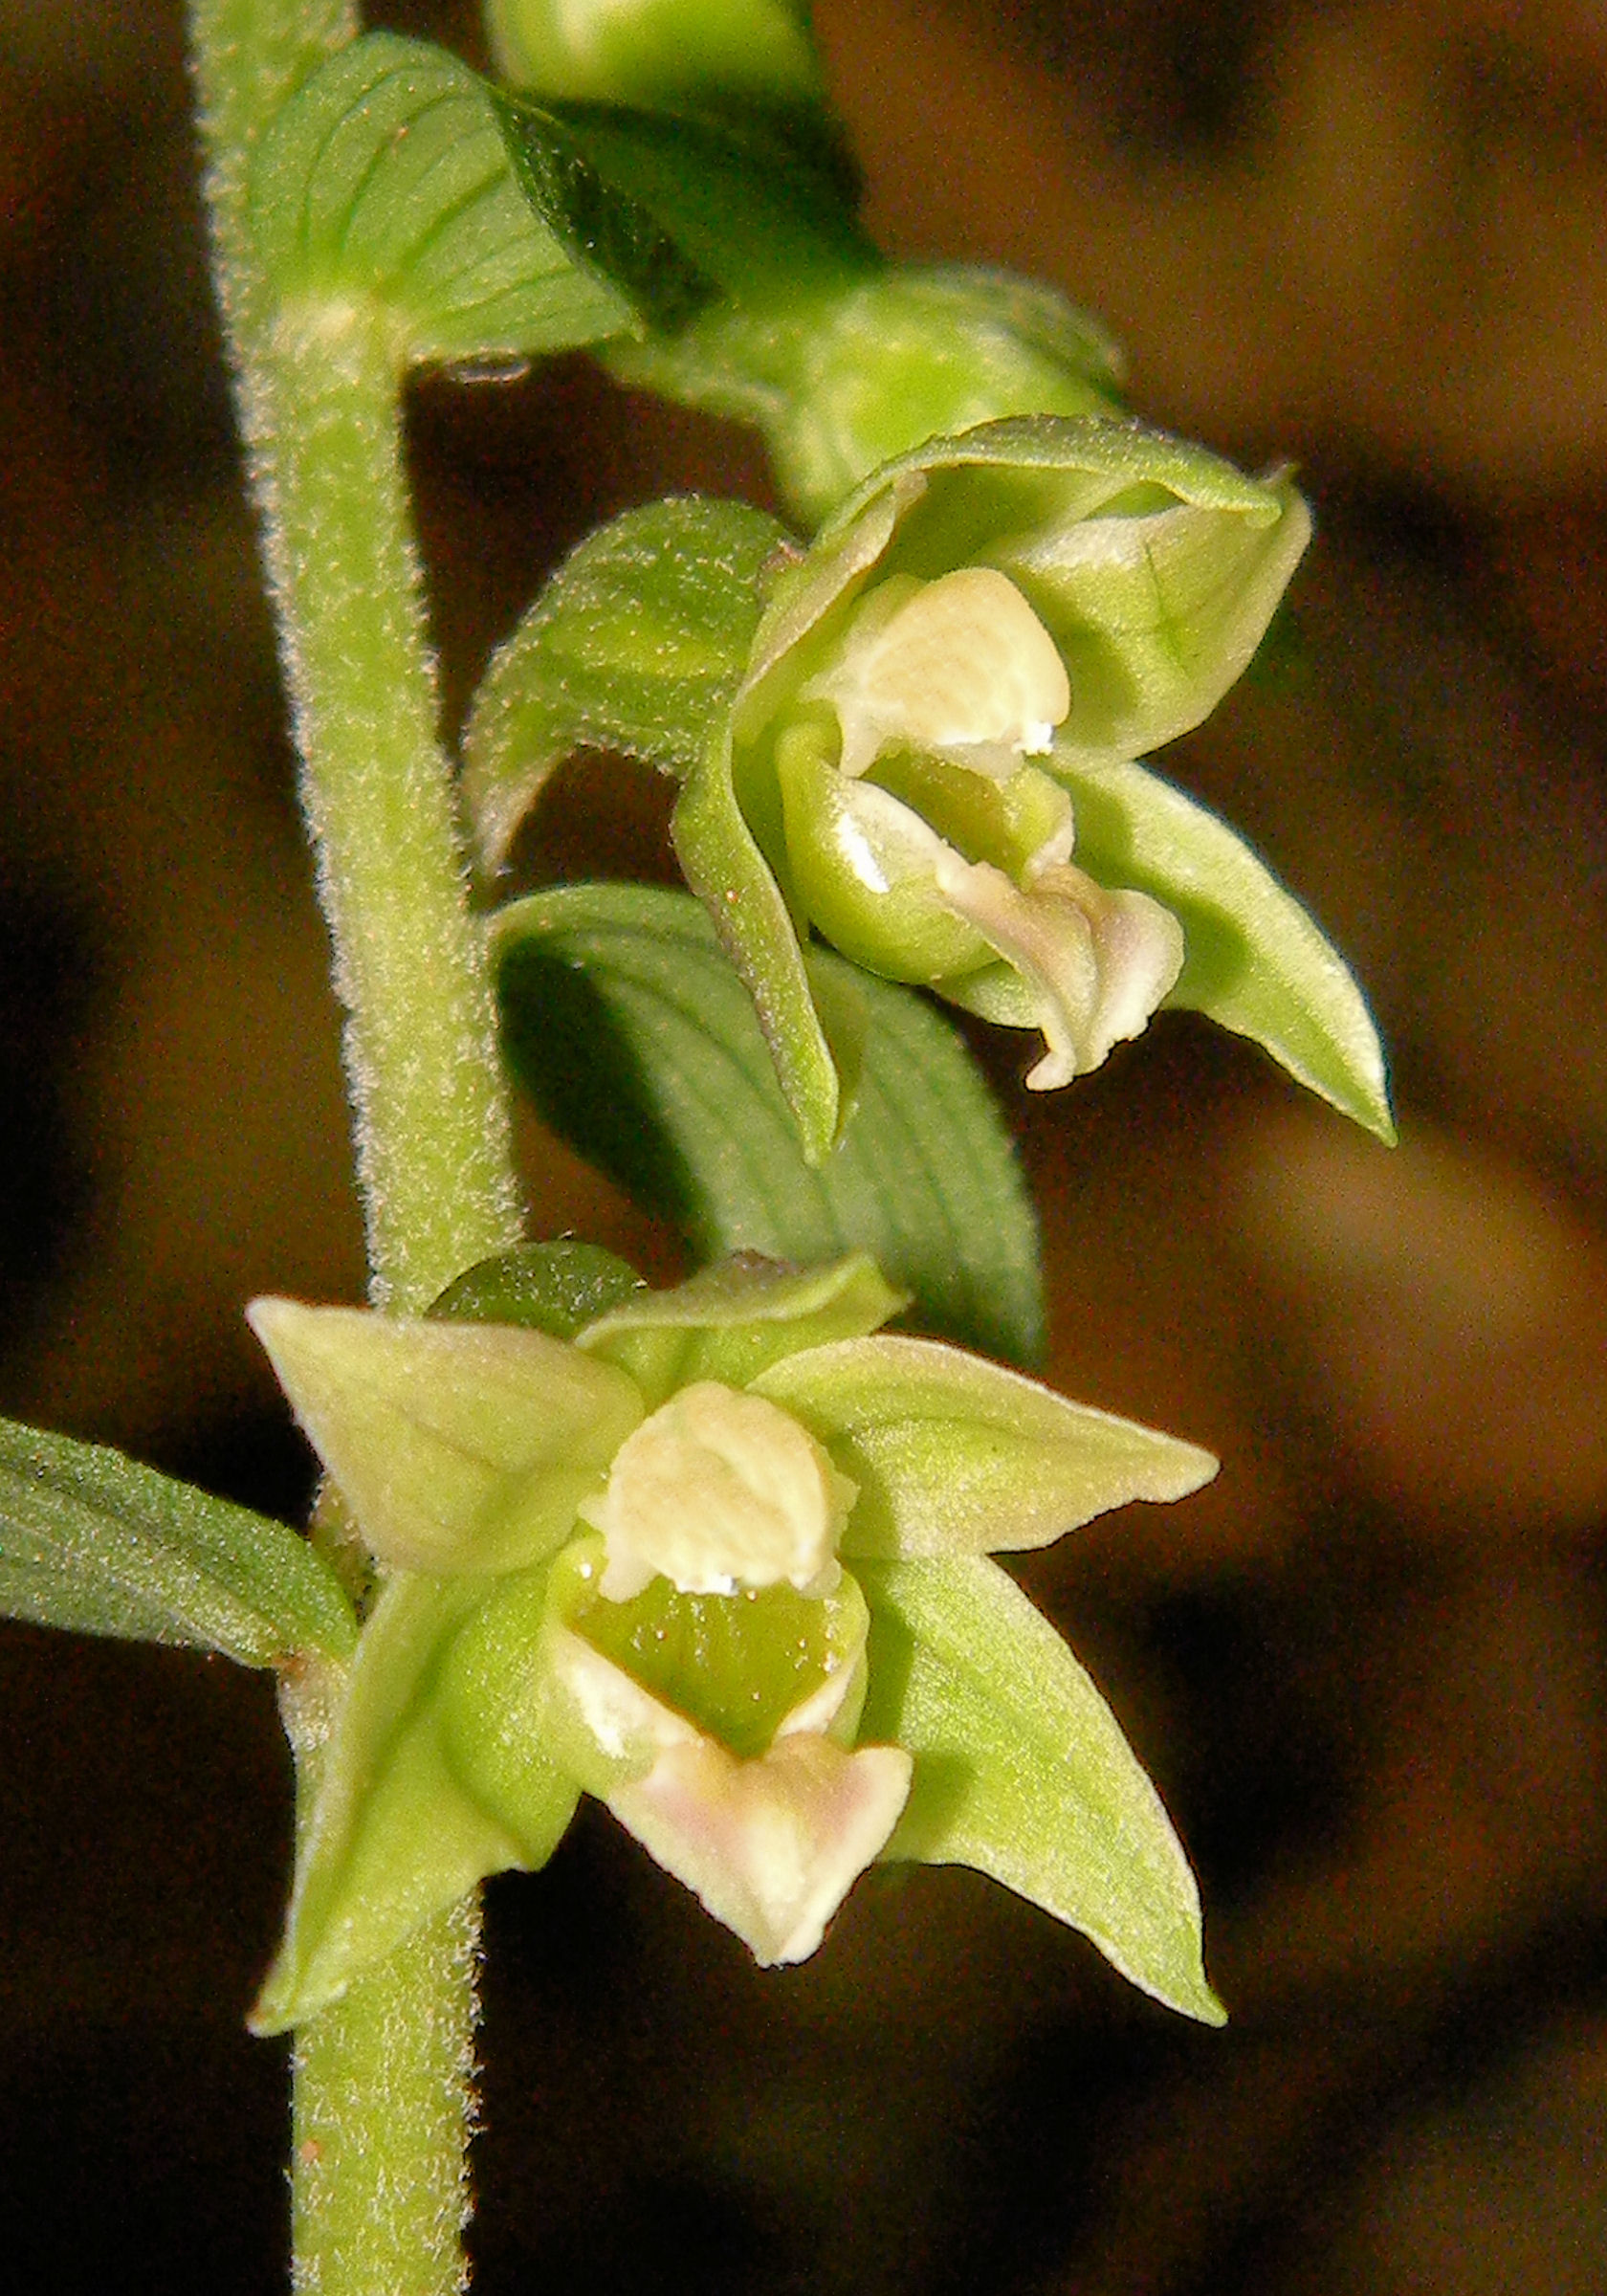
{"points": [[731, 1321], [458, 1446], [635, 645], [1255, 961], [93, 1542], [392, 1837], [954, 1455], [387, 179], [1021, 1770]]}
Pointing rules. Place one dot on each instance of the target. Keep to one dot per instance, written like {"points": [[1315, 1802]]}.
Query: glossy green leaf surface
{"points": [[954, 1455], [638, 1043], [386, 180], [677, 211], [1022, 1771], [1254, 959], [635, 645], [91, 1541], [393, 1837]]}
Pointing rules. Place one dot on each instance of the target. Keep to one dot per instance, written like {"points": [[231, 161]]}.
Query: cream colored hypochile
{"points": [[933, 761], [720, 1560]]}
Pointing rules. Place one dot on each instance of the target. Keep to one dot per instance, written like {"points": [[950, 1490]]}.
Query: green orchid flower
{"points": [[931, 760], [719, 1556]]}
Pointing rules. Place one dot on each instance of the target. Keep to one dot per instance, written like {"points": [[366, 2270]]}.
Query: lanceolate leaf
{"points": [[1255, 961], [629, 1028], [636, 642], [387, 179], [89, 1540], [1021, 1770]]}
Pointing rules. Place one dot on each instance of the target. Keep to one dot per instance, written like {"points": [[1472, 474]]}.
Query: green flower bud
{"points": [[621, 1574], [656, 53], [990, 616]]}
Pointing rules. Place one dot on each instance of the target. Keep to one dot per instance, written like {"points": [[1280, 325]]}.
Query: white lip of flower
{"points": [[1100, 962], [772, 1844], [960, 668], [719, 1489]]}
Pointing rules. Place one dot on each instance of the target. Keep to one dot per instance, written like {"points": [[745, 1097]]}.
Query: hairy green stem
{"points": [[433, 1129], [383, 2081]]}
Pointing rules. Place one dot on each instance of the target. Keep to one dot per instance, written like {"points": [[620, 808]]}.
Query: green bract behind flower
{"points": [[642, 1560], [993, 624]]}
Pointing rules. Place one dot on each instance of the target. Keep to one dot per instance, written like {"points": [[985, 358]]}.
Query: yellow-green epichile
{"points": [[719, 1558]]}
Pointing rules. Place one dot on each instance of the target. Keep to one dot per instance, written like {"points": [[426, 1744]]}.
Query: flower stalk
{"points": [[383, 2102]]}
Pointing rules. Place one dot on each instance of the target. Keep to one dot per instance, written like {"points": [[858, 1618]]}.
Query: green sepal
{"points": [[554, 1288], [639, 1044], [845, 379], [956, 1456], [459, 1447], [1255, 961], [1022, 1771], [675, 210], [386, 180], [732, 1321], [92, 1542], [393, 1837], [636, 645], [817, 1068]]}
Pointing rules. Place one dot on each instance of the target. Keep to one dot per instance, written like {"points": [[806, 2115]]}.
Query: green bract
{"points": [[674, 1561], [976, 650]]}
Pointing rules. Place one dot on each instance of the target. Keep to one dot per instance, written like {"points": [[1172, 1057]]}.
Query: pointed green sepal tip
{"points": [[1255, 961], [459, 1447], [954, 1455], [1021, 1770]]}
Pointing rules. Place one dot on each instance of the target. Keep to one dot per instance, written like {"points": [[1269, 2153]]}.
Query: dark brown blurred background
{"points": [[1366, 1666]]}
